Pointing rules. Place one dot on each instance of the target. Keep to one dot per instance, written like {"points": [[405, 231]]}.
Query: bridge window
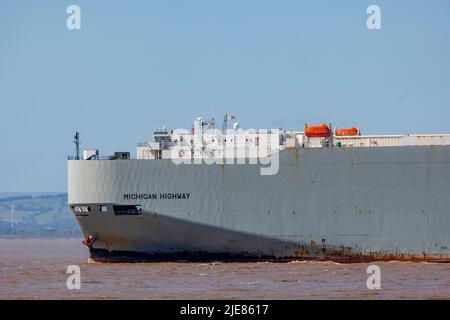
{"points": [[103, 208]]}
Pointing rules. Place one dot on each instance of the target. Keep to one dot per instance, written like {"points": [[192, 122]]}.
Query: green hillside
{"points": [[36, 214]]}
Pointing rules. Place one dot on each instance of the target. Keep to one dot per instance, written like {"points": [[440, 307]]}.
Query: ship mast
{"points": [[76, 140]]}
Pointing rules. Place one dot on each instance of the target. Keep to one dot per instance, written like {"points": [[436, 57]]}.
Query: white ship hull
{"points": [[342, 204]]}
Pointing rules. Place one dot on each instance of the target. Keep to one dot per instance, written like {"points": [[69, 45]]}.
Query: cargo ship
{"points": [[210, 193]]}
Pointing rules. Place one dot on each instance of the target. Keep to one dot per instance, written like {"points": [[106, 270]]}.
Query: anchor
{"points": [[89, 241]]}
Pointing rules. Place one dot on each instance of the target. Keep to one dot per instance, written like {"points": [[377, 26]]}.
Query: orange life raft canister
{"points": [[347, 132], [322, 131]]}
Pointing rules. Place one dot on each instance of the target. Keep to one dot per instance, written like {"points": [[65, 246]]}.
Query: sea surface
{"points": [[35, 268]]}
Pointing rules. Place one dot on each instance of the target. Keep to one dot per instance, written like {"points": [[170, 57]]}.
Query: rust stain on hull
{"points": [[344, 254], [105, 256]]}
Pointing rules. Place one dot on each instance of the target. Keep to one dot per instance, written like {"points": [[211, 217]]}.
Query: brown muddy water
{"points": [[36, 269]]}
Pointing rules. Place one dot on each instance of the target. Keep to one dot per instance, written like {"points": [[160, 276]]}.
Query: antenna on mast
{"points": [[76, 140], [225, 124]]}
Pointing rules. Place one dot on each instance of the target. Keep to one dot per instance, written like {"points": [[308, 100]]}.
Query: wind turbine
{"points": [[12, 215]]}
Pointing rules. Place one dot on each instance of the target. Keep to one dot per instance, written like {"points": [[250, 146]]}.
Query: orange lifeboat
{"points": [[347, 132], [322, 131]]}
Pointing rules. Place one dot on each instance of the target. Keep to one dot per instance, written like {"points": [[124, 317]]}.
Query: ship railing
{"points": [[142, 144], [101, 158], [156, 145]]}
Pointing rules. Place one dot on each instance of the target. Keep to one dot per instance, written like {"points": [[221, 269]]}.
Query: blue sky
{"points": [[138, 65]]}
